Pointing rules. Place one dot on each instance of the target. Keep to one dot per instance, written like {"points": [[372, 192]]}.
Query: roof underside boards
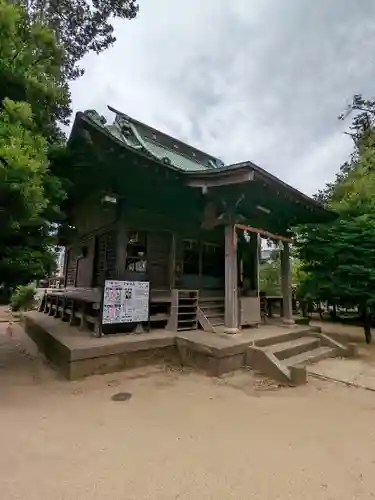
{"points": [[259, 205], [257, 187]]}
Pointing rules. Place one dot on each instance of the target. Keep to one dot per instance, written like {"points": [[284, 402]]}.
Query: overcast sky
{"points": [[260, 80]]}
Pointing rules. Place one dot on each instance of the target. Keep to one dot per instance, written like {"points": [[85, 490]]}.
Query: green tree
{"points": [[338, 258], [269, 275], [30, 70], [30, 194], [80, 26], [362, 133], [41, 43]]}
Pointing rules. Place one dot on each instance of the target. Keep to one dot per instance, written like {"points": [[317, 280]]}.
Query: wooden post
{"points": [[254, 249], [200, 264], [52, 300], [65, 271], [172, 263], [45, 310], [83, 324], [63, 307], [286, 285], [98, 327], [42, 302], [173, 318], [231, 278], [57, 312], [73, 320]]}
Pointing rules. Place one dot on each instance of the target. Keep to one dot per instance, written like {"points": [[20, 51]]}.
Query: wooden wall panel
{"points": [[159, 251], [85, 265], [91, 215], [105, 258]]}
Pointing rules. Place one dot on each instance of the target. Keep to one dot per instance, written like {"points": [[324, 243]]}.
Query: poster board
{"points": [[125, 302]]}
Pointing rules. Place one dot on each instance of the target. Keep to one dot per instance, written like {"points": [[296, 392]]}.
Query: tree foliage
{"points": [[41, 43], [361, 131], [23, 297], [80, 26], [23, 154], [270, 275], [30, 70], [30, 195], [338, 258]]}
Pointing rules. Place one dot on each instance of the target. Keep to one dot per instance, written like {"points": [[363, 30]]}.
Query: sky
{"points": [[259, 80]]}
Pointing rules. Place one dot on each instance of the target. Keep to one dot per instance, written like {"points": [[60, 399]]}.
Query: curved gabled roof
{"points": [[162, 147], [197, 168]]}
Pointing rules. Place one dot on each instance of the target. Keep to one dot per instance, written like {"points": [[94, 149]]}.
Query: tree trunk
{"points": [[366, 318], [320, 310], [334, 311], [368, 334]]}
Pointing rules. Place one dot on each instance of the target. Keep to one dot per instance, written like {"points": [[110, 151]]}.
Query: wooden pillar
{"points": [[65, 267], [231, 278], [254, 248], [172, 262], [286, 285]]}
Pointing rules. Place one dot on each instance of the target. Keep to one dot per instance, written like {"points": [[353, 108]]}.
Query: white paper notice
{"points": [[125, 301]]}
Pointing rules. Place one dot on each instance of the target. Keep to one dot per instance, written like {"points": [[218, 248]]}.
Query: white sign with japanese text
{"points": [[125, 302]]}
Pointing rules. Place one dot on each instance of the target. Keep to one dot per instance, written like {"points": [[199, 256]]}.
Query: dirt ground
{"points": [[180, 436]]}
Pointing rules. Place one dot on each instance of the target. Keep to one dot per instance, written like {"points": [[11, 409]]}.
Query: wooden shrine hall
{"points": [[147, 207]]}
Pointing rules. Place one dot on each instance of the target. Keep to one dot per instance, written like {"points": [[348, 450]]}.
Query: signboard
{"points": [[125, 302]]}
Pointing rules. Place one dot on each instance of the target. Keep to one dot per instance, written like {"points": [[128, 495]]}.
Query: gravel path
{"points": [[180, 436]]}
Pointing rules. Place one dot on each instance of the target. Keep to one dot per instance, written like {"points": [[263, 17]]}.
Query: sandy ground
{"points": [[181, 435]]}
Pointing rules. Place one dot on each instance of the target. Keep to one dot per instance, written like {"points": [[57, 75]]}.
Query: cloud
{"points": [[244, 80]]}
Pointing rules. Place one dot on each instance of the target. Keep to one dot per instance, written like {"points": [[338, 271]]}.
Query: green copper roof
{"points": [[158, 145], [255, 187]]}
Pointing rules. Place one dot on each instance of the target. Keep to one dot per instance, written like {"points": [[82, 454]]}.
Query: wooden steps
{"points": [[187, 307], [211, 312]]}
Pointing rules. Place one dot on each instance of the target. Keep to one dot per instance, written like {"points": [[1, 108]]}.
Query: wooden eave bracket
{"points": [[217, 178]]}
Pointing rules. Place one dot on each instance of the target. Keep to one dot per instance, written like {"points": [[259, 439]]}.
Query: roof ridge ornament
{"points": [[96, 117], [216, 164], [127, 128]]}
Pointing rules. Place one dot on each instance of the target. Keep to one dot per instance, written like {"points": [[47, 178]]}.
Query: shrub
{"points": [[22, 298]]}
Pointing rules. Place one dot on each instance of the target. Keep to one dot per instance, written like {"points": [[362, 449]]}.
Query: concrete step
{"points": [[283, 350], [281, 337], [306, 358]]}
